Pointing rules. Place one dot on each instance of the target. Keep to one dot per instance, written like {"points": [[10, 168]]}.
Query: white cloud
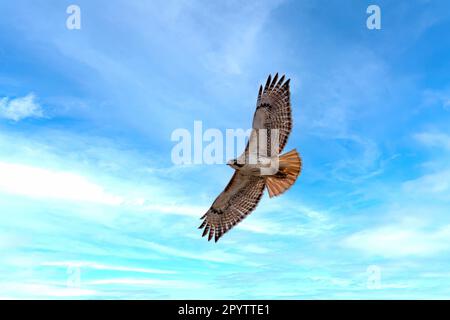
{"points": [[332, 281], [437, 97], [98, 266], [176, 209], [437, 182], [434, 139], [302, 221], [145, 282], [399, 240], [9, 241], [37, 290], [20, 108], [253, 248], [43, 183], [213, 255], [294, 229]]}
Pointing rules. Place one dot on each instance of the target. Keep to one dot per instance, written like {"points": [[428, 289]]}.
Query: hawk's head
{"points": [[234, 164]]}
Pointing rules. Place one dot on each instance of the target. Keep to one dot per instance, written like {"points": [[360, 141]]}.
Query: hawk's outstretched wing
{"points": [[239, 198], [273, 111], [243, 192]]}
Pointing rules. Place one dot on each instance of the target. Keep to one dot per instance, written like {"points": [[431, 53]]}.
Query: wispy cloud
{"points": [[212, 255], [44, 291], [172, 284], [99, 266], [44, 183], [434, 139], [20, 108], [437, 180], [436, 183], [440, 98], [400, 240]]}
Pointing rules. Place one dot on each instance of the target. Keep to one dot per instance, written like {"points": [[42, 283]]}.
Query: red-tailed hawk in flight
{"points": [[255, 169]]}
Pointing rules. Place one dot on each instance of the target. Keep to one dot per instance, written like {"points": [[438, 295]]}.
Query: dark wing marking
{"points": [[239, 198], [273, 111]]}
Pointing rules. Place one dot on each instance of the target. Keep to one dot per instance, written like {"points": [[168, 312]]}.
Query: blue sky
{"points": [[87, 185]]}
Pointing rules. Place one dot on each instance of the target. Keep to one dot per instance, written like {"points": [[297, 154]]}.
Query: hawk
{"points": [[254, 169]]}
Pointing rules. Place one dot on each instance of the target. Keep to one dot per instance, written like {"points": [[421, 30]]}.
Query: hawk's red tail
{"points": [[290, 166]]}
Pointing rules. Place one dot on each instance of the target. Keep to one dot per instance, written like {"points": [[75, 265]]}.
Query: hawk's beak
{"points": [[230, 163]]}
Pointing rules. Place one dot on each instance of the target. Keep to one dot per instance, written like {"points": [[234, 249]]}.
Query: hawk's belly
{"points": [[265, 166]]}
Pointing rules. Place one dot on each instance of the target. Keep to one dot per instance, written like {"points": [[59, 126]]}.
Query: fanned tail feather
{"points": [[290, 166]]}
